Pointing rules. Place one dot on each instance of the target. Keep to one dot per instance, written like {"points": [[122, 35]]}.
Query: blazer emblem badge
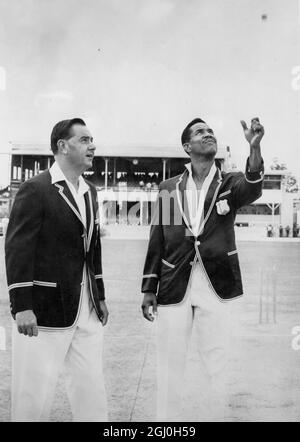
{"points": [[222, 207]]}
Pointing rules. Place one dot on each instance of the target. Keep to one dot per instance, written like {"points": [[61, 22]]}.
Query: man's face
{"points": [[80, 148], [202, 141]]}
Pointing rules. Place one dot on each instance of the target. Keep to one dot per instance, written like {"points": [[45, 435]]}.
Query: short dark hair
{"points": [[62, 131], [185, 136]]}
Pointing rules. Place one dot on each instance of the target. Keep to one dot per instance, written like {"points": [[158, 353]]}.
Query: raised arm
{"points": [[248, 187]]}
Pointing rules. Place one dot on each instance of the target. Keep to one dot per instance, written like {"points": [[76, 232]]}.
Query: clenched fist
{"points": [[26, 323], [105, 313], [149, 301]]}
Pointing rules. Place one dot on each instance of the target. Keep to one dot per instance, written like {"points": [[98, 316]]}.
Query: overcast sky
{"points": [[139, 70]]}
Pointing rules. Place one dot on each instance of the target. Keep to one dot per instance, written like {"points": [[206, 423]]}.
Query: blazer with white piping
{"points": [[173, 249], [46, 247]]}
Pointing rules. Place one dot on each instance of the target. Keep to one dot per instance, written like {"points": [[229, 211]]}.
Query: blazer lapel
{"points": [[211, 197], [89, 217], [182, 199], [65, 193]]}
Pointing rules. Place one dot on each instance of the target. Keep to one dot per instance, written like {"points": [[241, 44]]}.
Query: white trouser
{"points": [[209, 318], [37, 362]]}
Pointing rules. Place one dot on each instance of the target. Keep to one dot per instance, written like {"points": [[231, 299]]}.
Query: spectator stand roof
{"points": [[132, 151]]}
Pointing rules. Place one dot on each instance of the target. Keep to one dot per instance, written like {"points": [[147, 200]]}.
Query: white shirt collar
{"points": [[210, 175], [58, 175]]}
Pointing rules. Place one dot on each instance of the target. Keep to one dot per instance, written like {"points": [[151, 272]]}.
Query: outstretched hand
{"points": [[253, 134]]}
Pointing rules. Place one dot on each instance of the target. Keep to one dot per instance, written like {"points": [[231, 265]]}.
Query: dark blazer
{"points": [[173, 249], [45, 250]]}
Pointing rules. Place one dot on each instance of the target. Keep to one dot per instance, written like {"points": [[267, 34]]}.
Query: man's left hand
{"points": [[105, 313], [254, 134]]}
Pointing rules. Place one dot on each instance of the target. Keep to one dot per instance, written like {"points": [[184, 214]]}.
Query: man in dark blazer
{"points": [[54, 275], [192, 268]]}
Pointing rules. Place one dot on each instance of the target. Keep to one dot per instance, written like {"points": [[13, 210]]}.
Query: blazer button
{"points": [[191, 263]]}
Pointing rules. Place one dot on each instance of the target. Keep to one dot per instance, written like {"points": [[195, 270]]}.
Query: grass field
{"points": [[264, 369]]}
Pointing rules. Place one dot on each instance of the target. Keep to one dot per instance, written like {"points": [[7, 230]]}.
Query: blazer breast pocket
{"points": [[168, 264]]}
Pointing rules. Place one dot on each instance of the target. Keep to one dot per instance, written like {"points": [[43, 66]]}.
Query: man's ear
{"points": [[62, 147], [187, 148]]}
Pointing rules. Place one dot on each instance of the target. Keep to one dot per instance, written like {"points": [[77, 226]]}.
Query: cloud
{"points": [[51, 97], [2, 79], [155, 10]]}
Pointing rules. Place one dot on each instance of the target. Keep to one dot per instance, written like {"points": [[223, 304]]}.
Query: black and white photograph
{"points": [[149, 213]]}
